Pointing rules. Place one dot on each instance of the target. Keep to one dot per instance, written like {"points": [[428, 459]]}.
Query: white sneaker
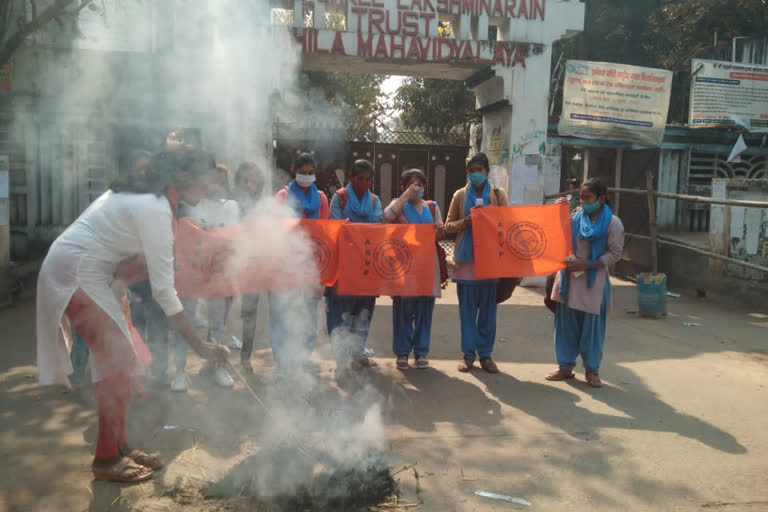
{"points": [[223, 378], [368, 352], [179, 382]]}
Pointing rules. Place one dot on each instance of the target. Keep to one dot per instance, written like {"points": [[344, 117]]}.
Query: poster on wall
{"points": [[5, 188], [5, 78], [602, 100], [727, 94]]}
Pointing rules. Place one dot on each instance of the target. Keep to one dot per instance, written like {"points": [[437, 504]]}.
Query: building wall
{"points": [[741, 233], [78, 106]]}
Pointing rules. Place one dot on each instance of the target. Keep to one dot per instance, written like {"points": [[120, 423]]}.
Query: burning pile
{"points": [[346, 486]]}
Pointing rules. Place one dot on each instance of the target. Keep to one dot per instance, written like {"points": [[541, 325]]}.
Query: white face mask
{"points": [[305, 180]]}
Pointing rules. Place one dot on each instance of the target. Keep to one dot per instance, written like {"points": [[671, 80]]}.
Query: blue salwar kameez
{"points": [[581, 334]]}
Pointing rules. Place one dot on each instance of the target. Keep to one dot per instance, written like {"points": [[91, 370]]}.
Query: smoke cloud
{"points": [[118, 78]]}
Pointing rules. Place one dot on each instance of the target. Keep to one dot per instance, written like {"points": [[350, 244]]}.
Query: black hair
{"points": [[480, 158], [164, 169], [138, 154], [598, 188], [361, 166], [575, 181], [304, 159], [243, 169], [408, 175]]}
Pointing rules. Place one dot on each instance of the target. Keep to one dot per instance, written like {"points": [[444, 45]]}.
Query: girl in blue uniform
{"points": [[293, 312], [477, 297], [412, 316], [349, 316]]}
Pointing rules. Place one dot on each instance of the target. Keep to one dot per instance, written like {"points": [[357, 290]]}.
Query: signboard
{"points": [[400, 47], [616, 102], [5, 189], [409, 30], [727, 94]]}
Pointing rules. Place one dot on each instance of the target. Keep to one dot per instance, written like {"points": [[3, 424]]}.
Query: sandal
{"points": [[422, 362], [148, 460], [124, 471], [402, 362], [593, 379], [488, 365], [465, 365], [560, 374]]}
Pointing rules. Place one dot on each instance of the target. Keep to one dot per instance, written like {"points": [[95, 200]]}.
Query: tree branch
{"points": [[57, 8]]}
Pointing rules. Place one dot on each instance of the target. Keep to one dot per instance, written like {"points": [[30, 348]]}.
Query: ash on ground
{"points": [[348, 486]]}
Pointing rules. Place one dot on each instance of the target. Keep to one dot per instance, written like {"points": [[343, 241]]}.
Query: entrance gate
{"points": [[501, 49], [441, 156]]}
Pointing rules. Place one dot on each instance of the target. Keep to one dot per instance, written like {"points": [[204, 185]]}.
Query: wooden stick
{"points": [[299, 444], [696, 199], [249, 388], [404, 468], [664, 241], [681, 197], [652, 222]]}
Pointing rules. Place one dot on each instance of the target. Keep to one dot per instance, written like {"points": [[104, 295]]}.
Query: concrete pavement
{"points": [[680, 425]]}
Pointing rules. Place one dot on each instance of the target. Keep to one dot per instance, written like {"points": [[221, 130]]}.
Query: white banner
{"points": [[727, 94], [616, 102]]}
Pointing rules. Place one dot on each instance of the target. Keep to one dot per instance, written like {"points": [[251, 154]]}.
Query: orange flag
{"points": [[324, 235], [521, 241], [387, 259], [204, 260], [259, 254]]}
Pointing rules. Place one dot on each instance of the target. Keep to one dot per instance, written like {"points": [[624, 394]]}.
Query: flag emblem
{"points": [[322, 253], [526, 240], [392, 259]]}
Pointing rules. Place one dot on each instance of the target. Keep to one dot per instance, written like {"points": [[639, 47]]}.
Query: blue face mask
{"points": [[418, 195], [477, 179], [590, 208]]}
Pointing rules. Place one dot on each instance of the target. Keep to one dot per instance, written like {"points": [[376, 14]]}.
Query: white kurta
{"points": [[114, 228]]}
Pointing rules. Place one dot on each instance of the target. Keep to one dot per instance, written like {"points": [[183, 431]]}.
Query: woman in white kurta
{"points": [[76, 283]]}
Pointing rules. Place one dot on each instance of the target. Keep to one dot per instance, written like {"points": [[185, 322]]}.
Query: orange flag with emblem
{"points": [[324, 235], [387, 259], [256, 255], [205, 261], [259, 254], [521, 241]]}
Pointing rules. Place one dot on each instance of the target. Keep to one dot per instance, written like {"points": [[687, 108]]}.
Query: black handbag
{"points": [[505, 288], [548, 293]]}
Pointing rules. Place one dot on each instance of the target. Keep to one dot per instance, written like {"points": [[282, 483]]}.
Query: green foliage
{"points": [[435, 103], [685, 28], [360, 94], [664, 34]]}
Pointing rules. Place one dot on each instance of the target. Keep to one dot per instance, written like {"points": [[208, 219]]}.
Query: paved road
{"points": [[680, 425]]}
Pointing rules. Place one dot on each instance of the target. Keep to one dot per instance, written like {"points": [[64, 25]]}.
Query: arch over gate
{"points": [[502, 50]]}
